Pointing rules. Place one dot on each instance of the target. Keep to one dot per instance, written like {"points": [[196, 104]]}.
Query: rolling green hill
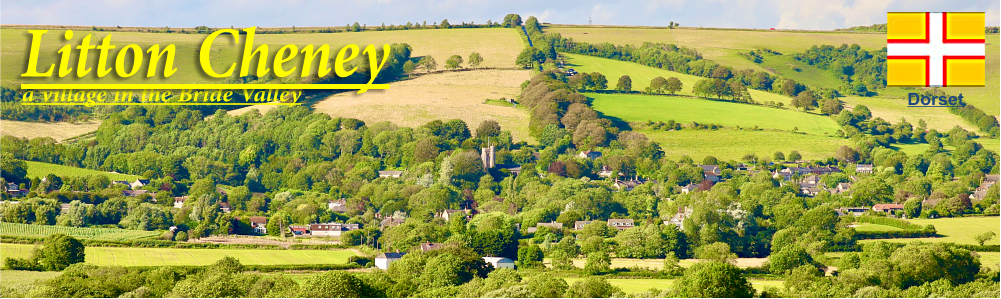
{"points": [[638, 108]]}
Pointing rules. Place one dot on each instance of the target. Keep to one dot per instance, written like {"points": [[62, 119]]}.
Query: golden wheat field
{"points": [[57, 130], [448, 95]]}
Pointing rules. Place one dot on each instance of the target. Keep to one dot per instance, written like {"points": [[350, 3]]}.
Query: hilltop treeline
{"points": [[861, 72]]}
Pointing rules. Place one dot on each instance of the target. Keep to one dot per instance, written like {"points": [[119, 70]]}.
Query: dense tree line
{"points": [[861, 72]]}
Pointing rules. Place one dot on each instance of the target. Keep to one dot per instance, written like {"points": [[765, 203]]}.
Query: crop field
{"points": [[641, 75], [15, 284], [641, 108], [497, 46], [631, 286], [58, 130], [108, 256], [719, 45], [447, 95], [107, 234], [39, 169], [960, 230], [734, 144]]}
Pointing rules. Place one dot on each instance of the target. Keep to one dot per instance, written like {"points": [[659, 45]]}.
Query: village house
{"points": [[383, 260], [621, 224], [299, 230], [843, 188], [712, 172], [887, 207], [627, 185], [809, 181], [14, 191], [605, 171], [578, 225], [812, 191], [179, 201], [981, 191], [259, 223], [138, 184], [447, 214], [325, 229], [854, 211], [789, 172], [132, 193], [224, 207], [499, 262], [679, 218], [689, 188], [590, 154], [338, 206], [551, 225], [863, 168], [390, 173]]}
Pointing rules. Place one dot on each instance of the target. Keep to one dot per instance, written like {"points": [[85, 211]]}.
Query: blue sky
{"points": [[784, 14]]}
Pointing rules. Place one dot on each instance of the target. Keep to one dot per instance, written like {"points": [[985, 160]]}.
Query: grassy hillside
{"points": [[641, 75], [734, 144], [59, 130], [39, 169], [641, 108], [786, 66], [721, 45], [448, 95], [114, 256], [498, 46]]}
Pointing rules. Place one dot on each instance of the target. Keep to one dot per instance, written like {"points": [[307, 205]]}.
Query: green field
{"points": [[108, 256], [641, 108], [497, 46], [39, 169], [641, 75], [961, 230], [893, 110], [987, 259], [107, 234], [631, 286], [19, 283], [734, 144], [803, 72]]}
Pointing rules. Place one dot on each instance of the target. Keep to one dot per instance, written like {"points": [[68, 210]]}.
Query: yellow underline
{"points": [[162, 104], [203, 86]]}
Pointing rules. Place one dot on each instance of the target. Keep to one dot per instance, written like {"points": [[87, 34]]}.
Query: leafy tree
{"points": [[673, 85], [795, 156], [335, 284], [713, 280], [529, 56], [790, 257], [512, 20], [593, 287], [453, 62], [488, 128], [547, 286], [625, 84], [445, 24], [716, 252], [428, 63], [657, 85], [409, 67], [779, 156], [530, 257], [599, 82], [58, 251], [598, 262], [475, 59], [984, 237]]}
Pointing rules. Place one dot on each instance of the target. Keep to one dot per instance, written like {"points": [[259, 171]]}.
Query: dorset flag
{"points": [[935, 49]]}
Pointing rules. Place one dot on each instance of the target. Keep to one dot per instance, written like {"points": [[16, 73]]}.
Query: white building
{"points": [[383, 260], [499, 262]]}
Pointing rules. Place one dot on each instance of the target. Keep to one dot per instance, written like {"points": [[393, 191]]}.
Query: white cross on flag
{"points": [[935, 49]]}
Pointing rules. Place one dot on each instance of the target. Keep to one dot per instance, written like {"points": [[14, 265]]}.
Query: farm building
{"points": [[621, 224], [499, 262], [383, 260], [578, 225], [259, 223]]}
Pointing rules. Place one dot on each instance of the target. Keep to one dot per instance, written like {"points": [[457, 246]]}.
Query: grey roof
{"points": [[391, 255]]}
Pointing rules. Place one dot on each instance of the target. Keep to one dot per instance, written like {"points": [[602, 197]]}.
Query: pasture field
{"points": [[58, 130], [632, 286], [118, 256], [894, 109], [786, 66], [446, 95], [987, 259], [40, 169], [15, 283], [641, 75], [721, 45], [734, 144], [641, 108], [959, 230], [497, 46], [93, 233]]}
